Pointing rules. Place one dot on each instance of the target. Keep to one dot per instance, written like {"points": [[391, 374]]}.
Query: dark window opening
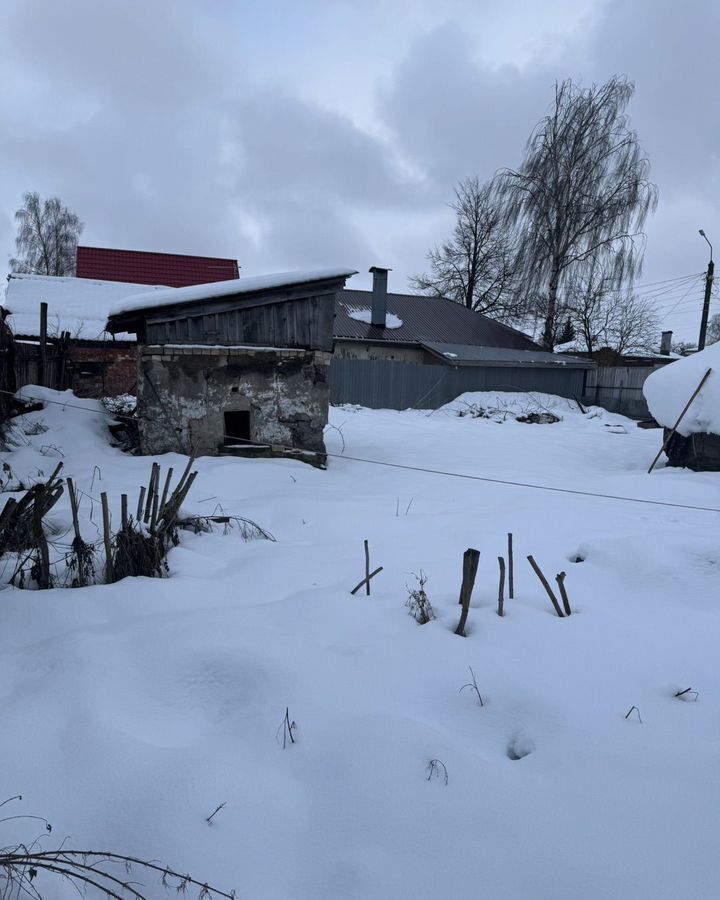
{"points": [[237, 427]]}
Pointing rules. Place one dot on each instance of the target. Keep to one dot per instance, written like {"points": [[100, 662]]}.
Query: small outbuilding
{"points": [[234, 367]]}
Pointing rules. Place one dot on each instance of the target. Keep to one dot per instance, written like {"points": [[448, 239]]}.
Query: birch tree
{"points": [[582, 194], [47, 237]]}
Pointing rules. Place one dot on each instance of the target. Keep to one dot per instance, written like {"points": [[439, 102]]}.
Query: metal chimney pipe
{"points": [[666, 342], [379, 296]]}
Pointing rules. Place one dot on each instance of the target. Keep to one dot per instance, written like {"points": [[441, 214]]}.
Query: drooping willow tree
{"points": [[581, 196]]}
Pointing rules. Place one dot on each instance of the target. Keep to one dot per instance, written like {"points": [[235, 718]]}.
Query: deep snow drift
{"points": [[130, 711]]}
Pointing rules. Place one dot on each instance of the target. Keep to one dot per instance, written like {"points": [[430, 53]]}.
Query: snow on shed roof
{"points": [[173, 296], [668, 390], [77, 305]]}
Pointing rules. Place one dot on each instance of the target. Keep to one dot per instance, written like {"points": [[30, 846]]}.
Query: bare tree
{"points": [[582, 192], [604, 316], [713, 330], [475, 266], [634, 326], [47, 237], [590, 309]]}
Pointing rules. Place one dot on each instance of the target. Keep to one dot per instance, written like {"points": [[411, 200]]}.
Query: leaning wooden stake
{"points": [[361, 583], [43, 574], [107, 538], [151, 491], [74, 508], [42, 359], [471, 558], [560, 578], [166, 488], [679, 420], [141, 499], [543, 579], [511, 584], [123, 511], [501, 588], [156, 500]]}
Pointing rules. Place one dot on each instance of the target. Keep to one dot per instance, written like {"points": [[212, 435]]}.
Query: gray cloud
{"points": [[334, 136]]}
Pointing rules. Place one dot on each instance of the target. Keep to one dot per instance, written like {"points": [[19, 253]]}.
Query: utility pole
{"points": [[706, 301]]}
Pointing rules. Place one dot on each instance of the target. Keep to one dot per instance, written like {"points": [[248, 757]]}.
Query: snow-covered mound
{"points": [[503, 405], [669, 389]]}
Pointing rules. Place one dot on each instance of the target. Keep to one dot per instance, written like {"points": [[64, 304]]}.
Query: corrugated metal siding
{"points": [[392, 385], [619, 389]]}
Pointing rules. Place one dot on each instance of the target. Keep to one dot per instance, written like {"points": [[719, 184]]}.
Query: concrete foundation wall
{"points": [[184, 393]]}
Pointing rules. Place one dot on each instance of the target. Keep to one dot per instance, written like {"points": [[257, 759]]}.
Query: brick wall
{"points": [[102, 370]]}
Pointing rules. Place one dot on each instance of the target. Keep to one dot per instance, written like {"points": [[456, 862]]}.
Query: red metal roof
{"points": [[142, 267]]}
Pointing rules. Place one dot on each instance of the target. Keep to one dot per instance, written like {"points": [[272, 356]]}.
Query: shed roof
{"points": [[143, 267], [423, 319], [466, 355], [151, 301]]}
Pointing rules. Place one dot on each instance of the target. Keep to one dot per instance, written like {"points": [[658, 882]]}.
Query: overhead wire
{"points": [[442, 472]]}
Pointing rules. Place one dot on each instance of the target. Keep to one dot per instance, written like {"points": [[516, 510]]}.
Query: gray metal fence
{"points": [[619, 389], [394, 385]]}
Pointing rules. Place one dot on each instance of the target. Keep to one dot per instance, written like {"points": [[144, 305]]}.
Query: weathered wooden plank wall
{"points": [[305, 322]]}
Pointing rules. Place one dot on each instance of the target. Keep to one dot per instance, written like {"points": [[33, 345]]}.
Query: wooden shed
{"points": [[234, 366]]}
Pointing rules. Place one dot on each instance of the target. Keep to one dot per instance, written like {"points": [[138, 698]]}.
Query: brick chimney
{"points": [[666, 342], [379, 296]]}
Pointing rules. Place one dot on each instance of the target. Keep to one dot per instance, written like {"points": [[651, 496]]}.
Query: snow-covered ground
{"points": [[131, 711]]}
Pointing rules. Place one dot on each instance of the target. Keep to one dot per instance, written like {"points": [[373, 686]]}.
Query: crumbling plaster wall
{"points": [[184, 392]]}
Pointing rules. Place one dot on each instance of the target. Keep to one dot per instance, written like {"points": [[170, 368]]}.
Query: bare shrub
{"points": [[25, 869], [418, 602]]}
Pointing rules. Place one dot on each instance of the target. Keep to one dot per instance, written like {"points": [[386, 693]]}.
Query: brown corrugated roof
{"points": [[424, 319]]}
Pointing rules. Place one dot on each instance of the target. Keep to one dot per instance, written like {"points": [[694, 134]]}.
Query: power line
{"points": [[671, 311], [669, 293], [428, 471], [655, 286]]}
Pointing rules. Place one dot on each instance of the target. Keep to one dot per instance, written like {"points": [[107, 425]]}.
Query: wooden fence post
{"points": [[42, 359], [107, 538], [560, 578], [471, 558], [367, 568], [511, 583], [501, 588]]}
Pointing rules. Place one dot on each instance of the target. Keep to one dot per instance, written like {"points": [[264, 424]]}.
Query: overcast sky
{"points": [[291, 134]]}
